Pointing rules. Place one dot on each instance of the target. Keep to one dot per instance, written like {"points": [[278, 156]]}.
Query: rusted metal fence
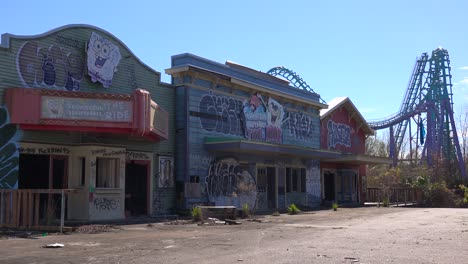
{"points": [[402, 195], [40, 209]]}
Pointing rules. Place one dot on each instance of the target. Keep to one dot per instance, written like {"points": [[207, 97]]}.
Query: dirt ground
{"points": [[349, 235]]}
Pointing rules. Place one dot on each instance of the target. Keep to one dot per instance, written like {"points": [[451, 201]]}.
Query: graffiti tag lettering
{"points": [[220, 114], [50, 66], [228, 183], [300, 126], [338, 134], [108, 204]]}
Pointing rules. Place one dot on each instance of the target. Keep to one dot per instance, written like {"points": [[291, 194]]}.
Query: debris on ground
{"points": [[55, 245], [179, 222], [352, 259], [232, 222], [258, 220], [94, 229]]}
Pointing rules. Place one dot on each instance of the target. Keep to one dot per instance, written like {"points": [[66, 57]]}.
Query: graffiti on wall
{"points": [[257, 118], [220, 114], [106, 204], [338, 134], [299, 125], [313, 185], [9, 154], [227, 183], [263, 119], [44, 150], [103, 58], [50, 65], [166, 172]]}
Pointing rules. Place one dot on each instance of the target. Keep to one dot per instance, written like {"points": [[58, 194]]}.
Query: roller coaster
{"points": [[425, 118], [427, 108]]}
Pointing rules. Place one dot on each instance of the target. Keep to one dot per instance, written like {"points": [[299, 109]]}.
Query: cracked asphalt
{"points": [[349, 235]]}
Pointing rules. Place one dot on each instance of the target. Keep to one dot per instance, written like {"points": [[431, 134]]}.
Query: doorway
{"points": [[137, 187], [42, 172], [271, 190], [329, 186]]}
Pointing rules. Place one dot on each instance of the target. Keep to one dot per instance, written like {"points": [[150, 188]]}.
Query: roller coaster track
{"points": [[428, 102], [293, 78]]}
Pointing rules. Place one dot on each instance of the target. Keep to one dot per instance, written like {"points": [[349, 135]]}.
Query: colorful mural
{"points": [[50, 65], [227, 183], [338, 134], [263, 119], [9, 154], [103, 58]]}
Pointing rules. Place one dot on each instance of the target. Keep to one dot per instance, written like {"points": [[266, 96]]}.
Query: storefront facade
{"points": [[80, 111], [343, 129], [244, 137]]}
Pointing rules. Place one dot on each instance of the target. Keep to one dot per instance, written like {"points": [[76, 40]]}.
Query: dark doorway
{"points": [[329, 186], [136, 188], [59, 172], [42, 172], [33, 171], [271, 191]]}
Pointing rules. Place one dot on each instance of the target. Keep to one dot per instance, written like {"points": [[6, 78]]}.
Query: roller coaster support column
{"points": [[392, 147]]}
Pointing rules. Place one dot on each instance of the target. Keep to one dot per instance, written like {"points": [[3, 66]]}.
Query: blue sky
{"points": [[361, 49]]}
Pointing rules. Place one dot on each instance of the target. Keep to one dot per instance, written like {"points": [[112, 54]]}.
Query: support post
{"points": [[62, 212]]}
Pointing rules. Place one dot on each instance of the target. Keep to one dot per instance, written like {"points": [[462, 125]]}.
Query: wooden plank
{"points": [[22, 207], [30, 208], [36, 208], [17, 207], [7, 208]]}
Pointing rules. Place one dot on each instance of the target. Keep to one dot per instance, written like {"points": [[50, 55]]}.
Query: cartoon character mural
{"points": [[9, 154], [255, 118], [263, 119], [275, 116], [103, 58]]}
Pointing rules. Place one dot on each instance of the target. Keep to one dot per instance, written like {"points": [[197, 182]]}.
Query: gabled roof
{"points": [[354, 113]]}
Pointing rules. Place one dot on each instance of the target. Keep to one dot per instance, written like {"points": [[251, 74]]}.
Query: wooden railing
{"points": [[33, 208], [401, 195]]}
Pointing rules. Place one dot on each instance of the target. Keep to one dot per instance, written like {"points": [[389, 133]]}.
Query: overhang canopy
{"points": [[238, 145], [356, 159]]}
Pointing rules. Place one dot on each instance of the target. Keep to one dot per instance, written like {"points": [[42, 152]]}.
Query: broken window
{"points": [[107, 173], [295, 180]]}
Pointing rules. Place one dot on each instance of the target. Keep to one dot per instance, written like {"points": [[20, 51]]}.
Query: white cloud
{"points": [[464, 81], [464, 68]]}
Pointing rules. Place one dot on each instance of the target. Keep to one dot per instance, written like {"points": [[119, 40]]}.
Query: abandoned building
{"points": [[80, 112], [83, 117], [244, 137], [343, 129]]}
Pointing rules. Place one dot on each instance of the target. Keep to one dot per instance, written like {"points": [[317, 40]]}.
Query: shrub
{"points": [[293, 209], [197, 214], [245, 210], [438, 195], [386, 202], [465, 193], [335, 206]]}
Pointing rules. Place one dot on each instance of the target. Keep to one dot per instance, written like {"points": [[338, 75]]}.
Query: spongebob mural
{"points": [[103, 58], [9, 154]]}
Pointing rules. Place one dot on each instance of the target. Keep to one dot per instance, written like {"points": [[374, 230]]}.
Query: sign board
{"points": [[54, 107]]}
